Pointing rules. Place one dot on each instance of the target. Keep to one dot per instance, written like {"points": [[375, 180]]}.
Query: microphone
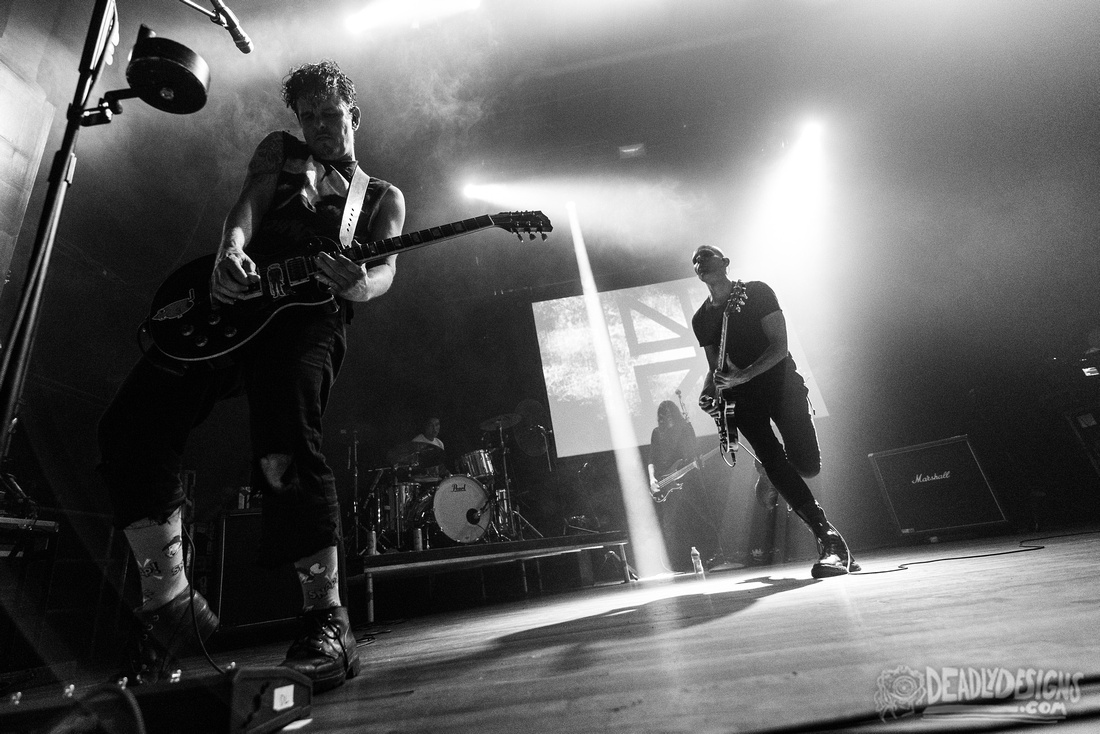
{"points": [[227, 20]]}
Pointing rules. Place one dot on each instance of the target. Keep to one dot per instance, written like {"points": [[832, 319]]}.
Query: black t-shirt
{"points": [[745, 340], [671, 445]]}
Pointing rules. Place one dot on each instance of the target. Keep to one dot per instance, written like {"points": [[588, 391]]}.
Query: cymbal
{"points": [[504, 420], [416, 453]]}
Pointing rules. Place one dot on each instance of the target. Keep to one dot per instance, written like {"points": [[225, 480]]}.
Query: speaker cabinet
{"points": [[936, 487], [1085, 423], [247, 593]]}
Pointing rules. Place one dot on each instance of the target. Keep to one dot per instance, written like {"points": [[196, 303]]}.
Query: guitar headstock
{"points": [[520, 223], [738, 296]]}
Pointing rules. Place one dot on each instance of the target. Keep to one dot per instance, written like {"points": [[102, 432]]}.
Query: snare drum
{"points": [[459, 507], [478, 464]]}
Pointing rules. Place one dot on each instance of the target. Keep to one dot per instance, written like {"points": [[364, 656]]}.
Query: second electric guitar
{"points": [[671, 482]]}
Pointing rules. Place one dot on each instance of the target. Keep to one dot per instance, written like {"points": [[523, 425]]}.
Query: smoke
{"points": [[433, 93], [640, 215]]}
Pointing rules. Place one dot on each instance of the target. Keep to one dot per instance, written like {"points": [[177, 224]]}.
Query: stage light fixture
{"points": [[164, 74], [167, 75]]}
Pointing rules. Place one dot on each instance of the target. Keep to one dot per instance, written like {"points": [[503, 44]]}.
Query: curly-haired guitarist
{"points": [[294, 189], [756, 379]]}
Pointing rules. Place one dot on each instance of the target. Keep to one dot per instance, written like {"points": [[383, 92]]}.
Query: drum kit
{"points": [[415, 503]]}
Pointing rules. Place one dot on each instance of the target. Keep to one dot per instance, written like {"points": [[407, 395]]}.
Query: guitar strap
{"points": [[357, 192]]}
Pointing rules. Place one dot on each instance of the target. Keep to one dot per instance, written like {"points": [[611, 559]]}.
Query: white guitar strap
{"points": [[353, 207]]}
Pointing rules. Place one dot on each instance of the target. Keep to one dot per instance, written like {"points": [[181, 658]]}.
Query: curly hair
{"points": [[313, 82]]}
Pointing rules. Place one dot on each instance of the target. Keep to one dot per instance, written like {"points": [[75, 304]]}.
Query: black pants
{"points": [[286, 372], [780, 395]]}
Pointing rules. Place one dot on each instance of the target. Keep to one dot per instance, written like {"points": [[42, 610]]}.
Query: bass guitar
{"points": [[187, 324], [671, 482], [723, 415]]}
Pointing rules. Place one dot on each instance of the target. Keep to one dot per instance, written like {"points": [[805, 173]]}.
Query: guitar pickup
{"points": [[297, 270]]}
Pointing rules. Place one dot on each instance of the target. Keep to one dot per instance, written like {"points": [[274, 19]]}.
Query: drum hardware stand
{"points": [[506, 515]]}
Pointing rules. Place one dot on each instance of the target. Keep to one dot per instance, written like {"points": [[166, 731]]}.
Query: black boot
{"points": [[325, 652], [835, 560], [165, 633]]}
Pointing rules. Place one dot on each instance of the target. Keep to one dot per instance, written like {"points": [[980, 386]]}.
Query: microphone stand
{"points": [[546, 445], [98, 52]]}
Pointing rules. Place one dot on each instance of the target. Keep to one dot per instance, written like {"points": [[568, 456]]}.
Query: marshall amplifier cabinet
{"points": [[936, 487]]}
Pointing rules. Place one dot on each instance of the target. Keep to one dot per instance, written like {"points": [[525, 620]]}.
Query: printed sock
{"points": [[158, 551], [320, 584]]}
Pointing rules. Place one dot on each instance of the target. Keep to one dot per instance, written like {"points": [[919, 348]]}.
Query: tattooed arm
{"points": [[233, 269]]}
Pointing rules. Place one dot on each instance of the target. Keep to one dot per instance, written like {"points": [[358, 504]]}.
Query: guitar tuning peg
{"points": [[543, 236], [531, 235], [519, 236]]}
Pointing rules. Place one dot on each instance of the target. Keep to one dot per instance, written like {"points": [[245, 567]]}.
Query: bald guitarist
{"points": [[756, 376]]}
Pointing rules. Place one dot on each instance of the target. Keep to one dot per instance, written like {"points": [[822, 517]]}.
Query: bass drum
{"points": [[459, 507]]}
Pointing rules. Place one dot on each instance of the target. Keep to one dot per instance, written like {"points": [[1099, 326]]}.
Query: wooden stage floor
{"points": [[750, 650], [747, 650]]}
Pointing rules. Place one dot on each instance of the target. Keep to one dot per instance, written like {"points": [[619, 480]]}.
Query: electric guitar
{"points": [[670, 483], [187, 324], [725, 409]]}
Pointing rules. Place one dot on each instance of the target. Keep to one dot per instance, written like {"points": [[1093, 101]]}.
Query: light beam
{"points": [[646, 542]]}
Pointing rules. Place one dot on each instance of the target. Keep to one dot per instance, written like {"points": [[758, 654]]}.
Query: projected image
{"points": [[656, 354]]}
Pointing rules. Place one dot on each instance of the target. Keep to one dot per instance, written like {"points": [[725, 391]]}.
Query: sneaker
{"points": [[325, 652], [165, 633]]}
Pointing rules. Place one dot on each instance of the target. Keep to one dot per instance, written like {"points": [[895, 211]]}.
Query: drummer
{"points": [[429, 434]]}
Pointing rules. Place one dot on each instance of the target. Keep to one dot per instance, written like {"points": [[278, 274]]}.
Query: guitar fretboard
{"points": [[411, 240]]}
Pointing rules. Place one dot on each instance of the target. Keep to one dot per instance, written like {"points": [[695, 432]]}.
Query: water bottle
{"points": [[697, 562]]}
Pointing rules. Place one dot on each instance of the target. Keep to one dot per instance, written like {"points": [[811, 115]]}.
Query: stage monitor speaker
{"points": [[936, 487], [241, 701], [1085, 423], [247, 593]]}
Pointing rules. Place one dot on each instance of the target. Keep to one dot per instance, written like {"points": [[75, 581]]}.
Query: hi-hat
{"points": [[498, 422]]}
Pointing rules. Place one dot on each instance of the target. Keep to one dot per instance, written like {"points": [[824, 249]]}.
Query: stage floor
{"points": [[761, 649], [750, 649]]}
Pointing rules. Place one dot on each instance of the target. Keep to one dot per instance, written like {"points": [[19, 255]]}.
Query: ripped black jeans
{"points": [[286, 373]]}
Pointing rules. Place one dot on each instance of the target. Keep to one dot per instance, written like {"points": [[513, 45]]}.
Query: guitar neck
{"points": [[685, 469], [381, 249]]}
